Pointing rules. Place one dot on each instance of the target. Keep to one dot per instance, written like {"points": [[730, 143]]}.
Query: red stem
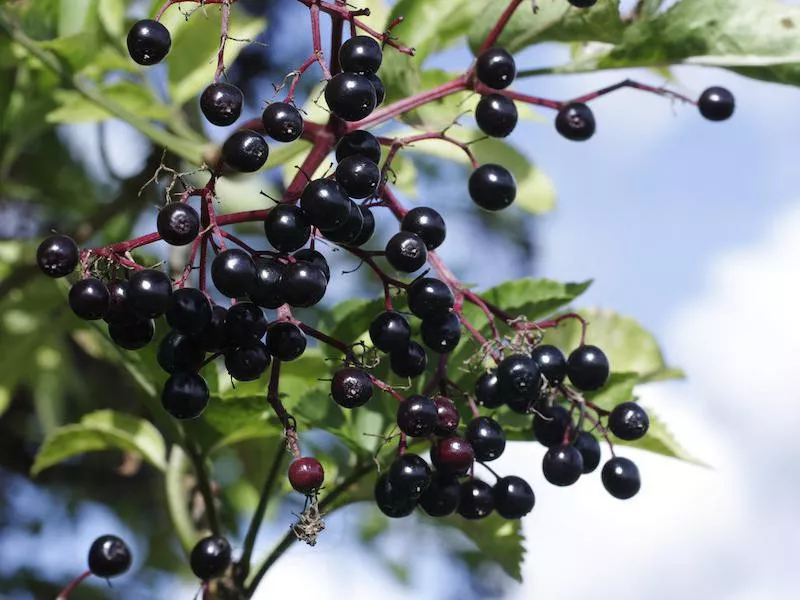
{"points": [[64, 594]]}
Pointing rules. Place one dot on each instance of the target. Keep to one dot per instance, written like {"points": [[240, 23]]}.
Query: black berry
{"points": [[550, 425], [221, 103], [245, 151], [286, 341], [315, 258], [416, 416], [552, 363], [391, 501], [513, 497], [486, 437], [287, 227], [441, 334], [282, 122], [213, 338], [360, 54], [179, 352], [447, 417], [716, 104], [492, 187], [487, 392], [452, 455], [148, 42], [380, 89], [587, 368], [390, 331], [350, 96], [429, 297], [496, 68], [628, 421], [496, 115], [325, 204], [518, 378], [575, 122], [582, 3], [427, 224], [189, 311], [358, 176], [306, 475], [442, 495], [57, 256], [178, 224], [267, 287], [245, 323], [89, 299], [476, 499], [109, 556], [233, 273], [350, 230], [247, 363], [367, 227], [117, 311], [621, 478], [149, 293], [185, 395], [210, 557], [359, 143], [133, 335], [406, 252], [351, 387], [303, 284], [562, 465], [589, 448], [409, 360], [410, 475]]}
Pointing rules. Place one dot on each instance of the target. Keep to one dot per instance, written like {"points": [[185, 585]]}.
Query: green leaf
{"points": [[102, 430], [76, 16], [534, 298], [76, 108], [112, 17], [660, 440], [78, 50], [649, 8], [5, 399]]}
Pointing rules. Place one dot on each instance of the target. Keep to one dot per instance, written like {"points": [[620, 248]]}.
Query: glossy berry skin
{"points": [[117, 311], [389, 331], [408, 361], [315, 258], [358, 176], [487, 392], [427, 224], [628, 421], [550, 425], [306, 475], [286, 341], [716, 104], [57, 256], [348, 231], [409, 475], [233, 273], [367, 227], [189, 311], [518, 378], [267, 287], [492, 187], [178, 224], [429, 297], [589, 448], [178, 352], [496, 115], [380, 89], [221, 103], [417, 416], [552, 363], [442, 495], [447, 417], [523, 405], [149, 293], [621, 478], [351, 387], [576, 122], [476, 500], [496, 68], [360, 54], [391, 501], [282, 122], [148, 42], [304, 284], [588, 368], [213, 337], [325, 204], [245, 323], [359, 143], [406, 252], [210, 557], [248, 362], [583, 3], [109, 556], [487, 438], [452, 455], [513, 497], [89, 298], [133, 335], [441, 334], [185, 395], [287, 227], [350, 96], [245, 151], [562, 465]]}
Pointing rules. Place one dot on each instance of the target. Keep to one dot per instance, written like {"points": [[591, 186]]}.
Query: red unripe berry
{"points": [[306, 475]]}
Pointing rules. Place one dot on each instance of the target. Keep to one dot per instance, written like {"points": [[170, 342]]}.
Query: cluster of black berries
{"points": [[355, 92]]}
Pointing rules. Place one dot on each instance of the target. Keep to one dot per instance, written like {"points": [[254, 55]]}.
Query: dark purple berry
{"points": [[487, 392], [306, 475], [628, 421], [287, 227], [518, 378], [57, 256], [350, 230], [178, 352], [447, 417], [589, 448], [441, 334], [429, 297], [245, 151], [286, 341], [442, 495], [358, 176], [408, 361], [582, 3], [562, 465], [492, 187], [178, 224], [245, 323], [367, 227], [267, 287], [351, 387], [416, 416], [210, 557], [185, 395], [476, 500], [148, 42], [496, 68], [410, 475], [391, 501], [427, 224], [452, 455], [380, 89], [550, 425], [303, 284], [109, 556], [247, 363], [552, 363], [359, 143], [390, 331], [189, 311], [149, 293], [513, 497], [621, 478], [282, 122], [325, 203], [315, 258], [89, 299], [716, 104], [117, 311], [487, 438], [496, 115], [587, 368], [133, 335], [360, 54], [350, 96], [233, 273], [213, 337], [576, 122], [221, 103]]}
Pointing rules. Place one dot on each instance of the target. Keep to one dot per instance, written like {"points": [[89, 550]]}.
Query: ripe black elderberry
{"points": [[210, 557], [360, 54], [587, 368], [109, 556], [148, 42], [179, 352], [233, 272], [583, 3], [325, 204], [621, 478], [406, 252], [429, 297], [518, 378], [282, 122], [576, 122], [409, 360], [380, 89], [486, 437], [89, 298], [513, 497], [487, 392], [247, 363], [267, 287], [716, 104], [496, 68], [492, 187], [245, 151], [441, 334], [351, 387], [410, 475], [496, 115], [476, 499], [57, 256], [442, 495], [447, 417], [287, 227], [562, 465], [306, 475], [390, 331], [359, 143], [149, 293], [286, 341], [589, 448], [303, 284], [189, 311], [350, 96], [452, 455], [213, 338], [628, 421], [315, 258], [417, 416], [550, 425], [358, 176], [350, 230], [391, 501], [133, 335], [117, 311], [427, 224], [367, 227], [221, 103], [185, 395], [552, 363], [245, 323], [178, 224]]}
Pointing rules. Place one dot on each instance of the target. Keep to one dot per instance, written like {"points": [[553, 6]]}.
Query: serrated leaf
{"points": [[102, 430], [534, 298], [660, 440]]}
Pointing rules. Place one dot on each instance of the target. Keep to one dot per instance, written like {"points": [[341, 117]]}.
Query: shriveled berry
{"points": [[306, 475]]}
